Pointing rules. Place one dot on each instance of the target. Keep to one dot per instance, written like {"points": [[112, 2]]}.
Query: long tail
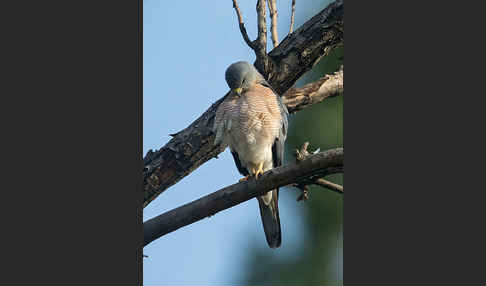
{"points": [[270, 218]]}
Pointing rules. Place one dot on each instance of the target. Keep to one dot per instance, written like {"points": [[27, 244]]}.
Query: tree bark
{"points": [[314, 166]]}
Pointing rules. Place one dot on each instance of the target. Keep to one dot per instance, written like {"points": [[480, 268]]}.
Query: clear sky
{"points": [[187, 47]]}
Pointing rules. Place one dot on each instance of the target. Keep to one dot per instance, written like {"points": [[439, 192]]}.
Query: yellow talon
{"points": [[259, 170]]}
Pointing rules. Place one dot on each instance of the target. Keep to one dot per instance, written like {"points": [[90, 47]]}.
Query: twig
{"points": [[329, 185], [319, 164], [292, 18], [242, 26], [272, 7]]}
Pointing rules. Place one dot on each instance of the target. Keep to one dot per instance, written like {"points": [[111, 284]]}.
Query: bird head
{"points": [[240, 76]]}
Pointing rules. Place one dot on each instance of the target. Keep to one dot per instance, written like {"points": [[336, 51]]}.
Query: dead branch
{"points": [[292, 18], [261, 62], [272, 7], [242, 26], [329, 185], [193, 146], [316, 165], [327, 86]]}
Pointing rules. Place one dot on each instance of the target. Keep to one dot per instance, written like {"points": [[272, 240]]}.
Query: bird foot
{"points": [[259, 171]]}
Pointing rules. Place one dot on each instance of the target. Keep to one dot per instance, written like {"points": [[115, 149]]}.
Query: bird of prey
{"points": [[252, 122]]}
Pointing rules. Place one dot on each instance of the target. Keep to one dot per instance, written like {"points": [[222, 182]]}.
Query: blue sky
{"points": [[187, 47]]}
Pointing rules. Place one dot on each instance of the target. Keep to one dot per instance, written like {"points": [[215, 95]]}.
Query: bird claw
{"points": [[259, 171]]}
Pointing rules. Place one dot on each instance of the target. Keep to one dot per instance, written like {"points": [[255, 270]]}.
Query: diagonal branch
{"points": [[193, 146], [317, 165], [242, 26]]}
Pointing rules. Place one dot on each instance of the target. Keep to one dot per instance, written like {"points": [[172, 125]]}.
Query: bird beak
{"points": [[237, 91]]}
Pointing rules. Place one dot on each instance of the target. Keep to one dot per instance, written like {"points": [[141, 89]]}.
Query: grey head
{"points": [[242, 75]]}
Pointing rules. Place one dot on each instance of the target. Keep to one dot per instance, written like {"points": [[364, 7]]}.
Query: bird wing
{"points": [[242, 169], [279, 143], [269, 209], [222, 120]]}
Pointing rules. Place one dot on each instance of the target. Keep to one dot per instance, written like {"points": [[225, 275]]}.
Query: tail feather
{"points": [[271, 220]]}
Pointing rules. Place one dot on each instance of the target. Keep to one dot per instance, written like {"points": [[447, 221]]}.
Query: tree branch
{"points": [[300, 155], [329, 185], [261, 62], [316, 165], [300, 51], [242, 26], [272, 7], [292, 18], [327, 86], [193, 146]]}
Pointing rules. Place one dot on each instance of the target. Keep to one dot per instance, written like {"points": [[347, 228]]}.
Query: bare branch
{"points": [[261, 62], [327, 86], [242, 26], [319, 164], [272, 7], [292, 18], [329, 185], [193, 146]]}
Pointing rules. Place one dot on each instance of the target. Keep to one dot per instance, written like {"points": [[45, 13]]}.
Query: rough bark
{"points": [[314, 166], [294, 56]]}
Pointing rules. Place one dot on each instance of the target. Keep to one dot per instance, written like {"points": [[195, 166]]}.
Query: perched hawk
{"points": [[252, 121]]}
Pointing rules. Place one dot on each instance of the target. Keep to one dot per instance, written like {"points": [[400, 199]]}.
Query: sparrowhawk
{"points": [[252, 122]]}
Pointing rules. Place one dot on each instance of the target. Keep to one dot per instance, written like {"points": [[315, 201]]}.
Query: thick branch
{"points": [[317, 165], [193, 146]]}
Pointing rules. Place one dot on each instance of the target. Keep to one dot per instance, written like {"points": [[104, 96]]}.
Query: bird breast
{"points": [[254, 121]]}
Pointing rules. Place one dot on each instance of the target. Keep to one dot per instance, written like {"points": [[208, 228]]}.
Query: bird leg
{"points": [[259, 170]]}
